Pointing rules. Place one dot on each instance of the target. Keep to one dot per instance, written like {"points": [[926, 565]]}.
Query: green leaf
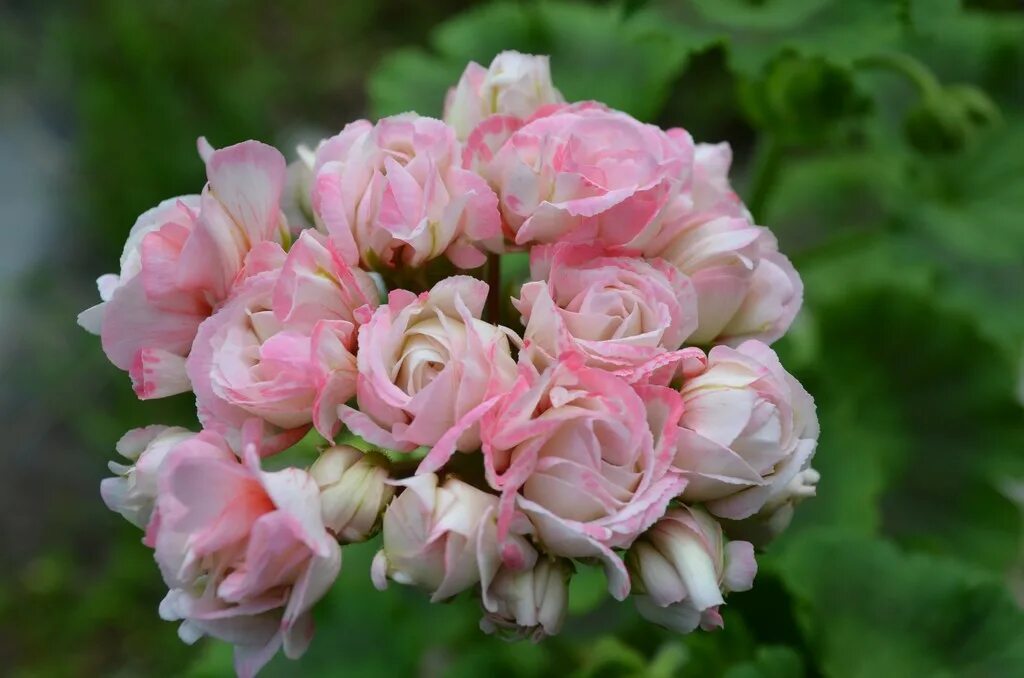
{"points": [[587, 590], [769, 662], [840, 31], [903, 430], [869, 610], [628, 62], [410, 80], [972, 203]]}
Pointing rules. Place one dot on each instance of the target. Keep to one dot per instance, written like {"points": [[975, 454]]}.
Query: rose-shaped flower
{"points": [[426, 364], [443, 538], [282, 347], [748, 428], [394, 194], [132, 492], [514, 85], [745, 288], [586, 174], [683, 567], [354, 491], [181, 260], [573, 449], [244, 552], [528, 603], [619, 312]]}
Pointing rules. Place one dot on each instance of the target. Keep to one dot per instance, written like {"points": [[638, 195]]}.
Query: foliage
{"points": [[880, 139]]}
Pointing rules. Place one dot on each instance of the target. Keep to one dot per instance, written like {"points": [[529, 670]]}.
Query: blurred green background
{"points": [[882, 140]]}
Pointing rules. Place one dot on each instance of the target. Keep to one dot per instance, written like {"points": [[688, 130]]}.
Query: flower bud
{"points": [[132, 492], [528, 603], [354, 491], [514, 85], [777, 513], [443, 538], [683, 567]]}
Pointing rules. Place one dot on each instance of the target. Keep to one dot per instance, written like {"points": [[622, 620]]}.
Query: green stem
{"points": [[766, 171], [913, 70], [493, 309]]}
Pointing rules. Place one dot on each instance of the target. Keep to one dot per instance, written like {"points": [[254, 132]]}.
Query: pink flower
{"points": [[282, 347], [620, 312], [244, 552], [748, 429], [745, 287], [132, 492], [181, 261], [684, 566], [583, 454], [394, 194], [443, 538], [528, 603], [515, 85], [585, 174], [427, 364]]}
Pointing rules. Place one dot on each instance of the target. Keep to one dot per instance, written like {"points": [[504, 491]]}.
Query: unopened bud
{"points": [[528, 603], [353, 491]]}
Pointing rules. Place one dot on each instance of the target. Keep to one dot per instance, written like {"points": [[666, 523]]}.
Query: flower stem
{"points": [[767, 159], [493, 309]]}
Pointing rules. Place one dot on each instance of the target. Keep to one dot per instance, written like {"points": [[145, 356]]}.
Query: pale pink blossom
{"points": [[514, 85], [748, 429], [444, 538], [132, 492], [426, 365], [746, 289], [581, 453], [683, 567], [584, 173], [244, 552], [394, 194], [180, 262], [619, 312], [354, 491], [282, 347], [528, 603]]}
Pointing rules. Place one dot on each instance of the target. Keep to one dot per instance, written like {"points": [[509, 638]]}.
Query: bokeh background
{"points": [[882, 140]]}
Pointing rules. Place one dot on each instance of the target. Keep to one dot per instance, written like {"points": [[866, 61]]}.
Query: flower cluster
{"points": [[626, 412]]}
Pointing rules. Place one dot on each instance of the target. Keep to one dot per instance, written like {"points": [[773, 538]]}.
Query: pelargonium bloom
{"points": [[619, 312], [395, 194], [746, 289], [683, 566], [281, 348], [528, 603], [132, 492], [181, 261], [444, 537], [514, 85], [585, 173], [573, 449], [244, 552], [748, 429], [426, 363]]}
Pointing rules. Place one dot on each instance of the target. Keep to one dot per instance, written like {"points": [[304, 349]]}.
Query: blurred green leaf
{"points": [[769, 662], [627, 62], [903, 431], [755, 33], [801, 100], [869, 610], [588, 588]]}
